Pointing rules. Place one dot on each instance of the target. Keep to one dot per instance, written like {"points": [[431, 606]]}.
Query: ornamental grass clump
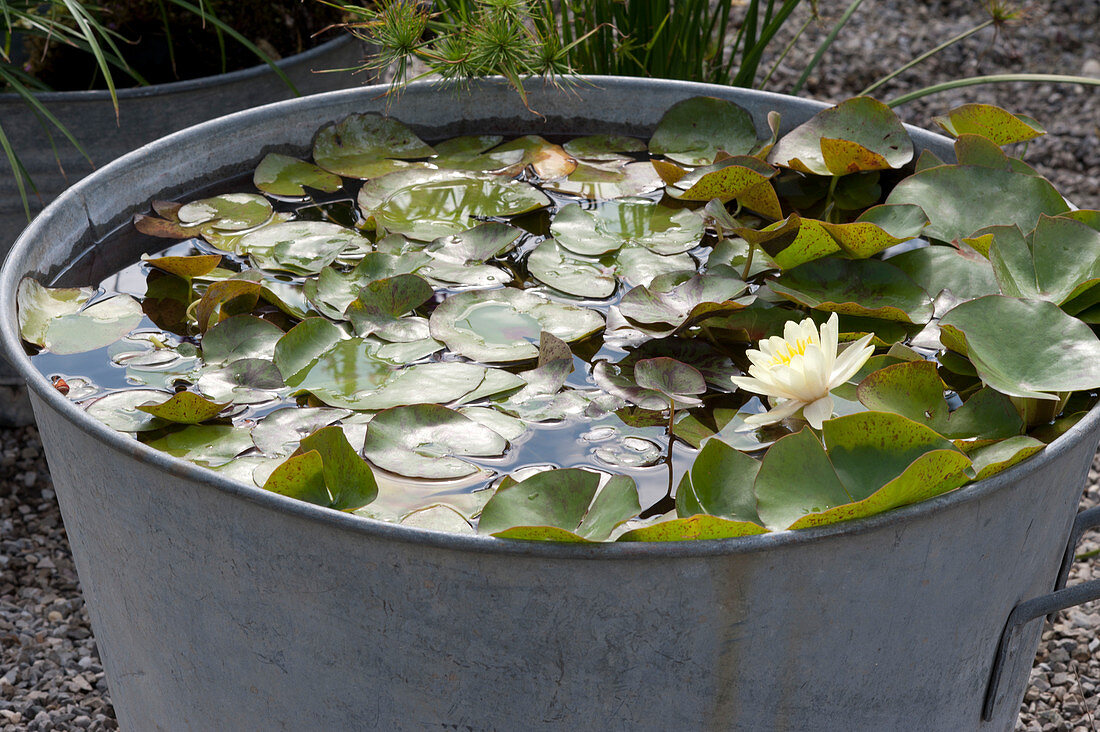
{"points": [[708, 334]]}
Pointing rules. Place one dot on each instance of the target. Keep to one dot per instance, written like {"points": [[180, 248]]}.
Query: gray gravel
{"points": [[50, 673]]}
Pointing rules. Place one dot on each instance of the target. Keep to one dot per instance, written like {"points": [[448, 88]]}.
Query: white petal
{"points": [[756, 386], [819, 411], [776, 414], [849, 362], [829, 331]]}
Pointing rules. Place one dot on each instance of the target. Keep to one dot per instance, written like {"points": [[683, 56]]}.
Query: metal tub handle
{"points": [[1061, 598]]}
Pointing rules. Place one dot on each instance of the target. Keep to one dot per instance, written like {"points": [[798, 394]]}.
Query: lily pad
{"points": [[184, 408], [428, 204], [39, 305], [608, 180], [96, 326], [993, 123], [224, 299], [302, 345], [381, 303], [300, 247], [560, 505], [694, 528], [354, 146], [856, 135], [429, 441], [720, 483], [548, 160], [241, 336], [498, 326], [1058, 261], [993, 331], [865, 287], [603, 147], [119, 410], [282, 175], [679, 300], [460, 258], [331, 291], [961, 199], [992, 459], [229, 212], [244, 381], [915, 390], [615, 224], [438, 518], [184, 267], [637, 265], [279, 433], [795, 479], [961, 271], [694, 131], [325, 470], [743, 178], [572, 274], [209, 444]]}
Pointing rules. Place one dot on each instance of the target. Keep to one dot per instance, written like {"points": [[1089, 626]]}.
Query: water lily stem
{"points": [[748, 262]]}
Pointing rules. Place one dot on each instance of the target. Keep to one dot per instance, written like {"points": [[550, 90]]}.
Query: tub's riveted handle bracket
{"points": [[1061, 598]]}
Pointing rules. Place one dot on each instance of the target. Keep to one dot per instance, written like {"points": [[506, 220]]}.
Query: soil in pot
{"points": [[480, 310]]}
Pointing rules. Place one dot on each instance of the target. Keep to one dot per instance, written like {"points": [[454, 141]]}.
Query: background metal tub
{"points": [[220, 606]]}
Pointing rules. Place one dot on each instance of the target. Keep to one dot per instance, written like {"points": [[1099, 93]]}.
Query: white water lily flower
{"points": [[800, 369]]}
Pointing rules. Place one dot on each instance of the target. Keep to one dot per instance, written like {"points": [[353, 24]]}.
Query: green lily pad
{"points": [[603, 147], [224, 299], [302, 345], [865, 287], [679, 300], [642, 222], [607, 181], [693, 528], [638, 266], [119, 410], [229, 212], [743, 178], [209, 444], [460, 258], [503, 424], [620, 382], [96, 326], [282, 175], [279, 433], [694, 131], [720, 483], [856, 135], [962, 199], [429, 441], [331, 291], [381, 303], [469, 153], [185, 408], [915, 390], [184, 267], [992, 459], [572, 274], [241, 336], [244, 381], [428, 204], [931, 474], [325, 470], [39, 305], [796, 479], [560, 505], [497, 326], [438, 518], [354, 146], [993, 332], [961, 271], [300, 247], [674, 379], [1058, 261], [994, 123]]}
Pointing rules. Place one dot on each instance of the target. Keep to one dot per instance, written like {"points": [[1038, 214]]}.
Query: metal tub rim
{"points": [[185, 85], [15, 354]]}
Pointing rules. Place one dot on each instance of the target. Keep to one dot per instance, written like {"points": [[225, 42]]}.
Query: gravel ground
{"points": [[50, 673]]}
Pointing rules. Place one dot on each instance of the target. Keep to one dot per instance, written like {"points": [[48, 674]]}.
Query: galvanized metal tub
{"points": [[221, 606]]}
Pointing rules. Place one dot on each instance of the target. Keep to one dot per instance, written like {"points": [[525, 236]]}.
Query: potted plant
{"points": [[197, 582], [57, 129]]}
